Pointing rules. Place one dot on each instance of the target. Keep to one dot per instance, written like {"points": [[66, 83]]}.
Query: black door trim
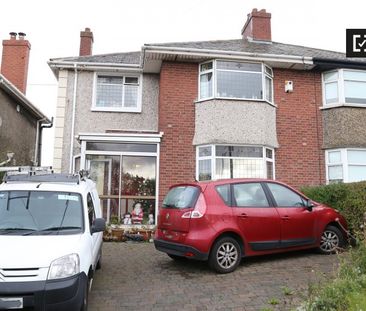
{"points": [[268, 245]]}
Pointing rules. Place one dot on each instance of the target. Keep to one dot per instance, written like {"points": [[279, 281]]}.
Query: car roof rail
{"points": [[40, 174]]}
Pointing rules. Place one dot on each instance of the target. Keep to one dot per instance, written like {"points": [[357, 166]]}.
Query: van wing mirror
{"points": [[98, 225]]}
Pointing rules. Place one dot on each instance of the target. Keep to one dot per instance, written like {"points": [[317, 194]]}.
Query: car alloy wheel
{"points": [[331, 240], [225, 255]]}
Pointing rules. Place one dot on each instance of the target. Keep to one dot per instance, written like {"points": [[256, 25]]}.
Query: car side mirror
{"points": [[98, 225], [309, 205]]}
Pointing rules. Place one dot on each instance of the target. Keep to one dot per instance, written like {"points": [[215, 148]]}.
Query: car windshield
{"points": [[40, 212], [181, 197]]}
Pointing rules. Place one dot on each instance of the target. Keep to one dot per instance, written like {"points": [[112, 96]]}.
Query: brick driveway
{"points": [[137, 277]]}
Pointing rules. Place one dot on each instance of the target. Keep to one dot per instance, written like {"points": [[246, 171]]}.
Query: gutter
{"points": [[229, 54], [338, 63]]}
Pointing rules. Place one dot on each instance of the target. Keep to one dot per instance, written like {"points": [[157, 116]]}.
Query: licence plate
{"points": [[11, 303]]}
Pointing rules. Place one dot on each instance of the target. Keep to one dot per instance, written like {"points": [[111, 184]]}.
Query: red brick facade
{"points": [[14, 62], [178, 91], [299, 159]]}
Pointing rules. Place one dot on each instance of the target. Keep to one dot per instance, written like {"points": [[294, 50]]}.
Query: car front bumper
{"points": [[63, 294]]}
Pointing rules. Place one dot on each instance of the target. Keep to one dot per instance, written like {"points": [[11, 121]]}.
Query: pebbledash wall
{"points": [[294, 125], [88, 121]]}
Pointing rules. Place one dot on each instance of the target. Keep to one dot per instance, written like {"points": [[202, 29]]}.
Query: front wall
{"points": [[17, 132], [299, 158], [178, 92], [344, 127], [235, 122], [99, 122]]}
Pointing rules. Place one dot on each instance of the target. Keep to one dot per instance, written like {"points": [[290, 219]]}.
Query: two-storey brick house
{"points": [[176, 112]]}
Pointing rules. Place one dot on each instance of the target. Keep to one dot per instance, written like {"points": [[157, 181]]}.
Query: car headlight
{"points": [[64, 267]]}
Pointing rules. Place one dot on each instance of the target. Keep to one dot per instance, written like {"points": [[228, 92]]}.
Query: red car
{"points": [[223, 221]]}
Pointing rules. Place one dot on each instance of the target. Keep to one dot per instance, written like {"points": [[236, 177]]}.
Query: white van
{"points": [[51, 229]]}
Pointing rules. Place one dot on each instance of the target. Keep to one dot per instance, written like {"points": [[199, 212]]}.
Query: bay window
{"points": [[346, 165], [224, 161], [235, 80], [344, 86]]}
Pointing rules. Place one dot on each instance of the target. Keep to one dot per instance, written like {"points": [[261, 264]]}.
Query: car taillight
{"points": [[199, 210]]}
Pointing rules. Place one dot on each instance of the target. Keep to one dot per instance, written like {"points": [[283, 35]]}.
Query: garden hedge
{"points": [[349, 199]]}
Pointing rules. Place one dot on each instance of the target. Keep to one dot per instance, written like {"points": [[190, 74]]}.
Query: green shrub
{"points": [[349, 199]]}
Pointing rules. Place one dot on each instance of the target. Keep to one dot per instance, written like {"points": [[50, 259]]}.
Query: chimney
{"points": [[15, 59], [257, 26], [86, 42]]}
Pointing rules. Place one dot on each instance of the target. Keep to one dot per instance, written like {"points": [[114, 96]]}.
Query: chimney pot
{"points": [[13, 35], [258, 26], [21, 35]]}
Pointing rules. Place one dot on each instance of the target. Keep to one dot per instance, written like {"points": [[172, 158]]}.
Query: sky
{"points": [[53, 29]]}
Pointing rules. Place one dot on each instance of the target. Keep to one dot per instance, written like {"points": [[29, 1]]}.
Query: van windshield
{"points": [[181, 197], [40, 212]]}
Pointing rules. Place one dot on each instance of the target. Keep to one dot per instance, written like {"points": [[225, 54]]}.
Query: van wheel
{"points": [[331, 240], [225, 255], [84, 306]]}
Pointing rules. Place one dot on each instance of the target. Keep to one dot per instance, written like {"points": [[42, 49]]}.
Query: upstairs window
{"points": [[235, 80], [117, 93], [344, 87]]}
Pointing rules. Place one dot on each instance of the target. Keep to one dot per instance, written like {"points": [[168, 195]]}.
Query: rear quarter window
{"points": [[181, 197], [224, 192]]}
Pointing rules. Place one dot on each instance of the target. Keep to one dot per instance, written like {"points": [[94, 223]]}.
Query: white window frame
{"points": [[214, 81], [344, 162], [213, 158], [341, 90], [136, 109]]}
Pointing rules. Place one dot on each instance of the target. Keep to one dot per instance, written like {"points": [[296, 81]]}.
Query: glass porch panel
{"points": [[138, 187]]}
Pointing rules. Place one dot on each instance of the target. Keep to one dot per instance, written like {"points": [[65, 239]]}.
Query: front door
{"points": [[297, 222], [257, 219]]}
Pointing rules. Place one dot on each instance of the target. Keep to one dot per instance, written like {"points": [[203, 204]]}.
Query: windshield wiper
{"points": [[4, 231], [52, 229], [169, 205]]}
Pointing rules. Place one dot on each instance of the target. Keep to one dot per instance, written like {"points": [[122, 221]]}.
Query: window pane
{"points": [[131, 92], [204, 151], [334, 157], [356, 173], [335, 172], [131, 80], [109, 95], [269, 153], [269, 170], [268, 89], [331, 92], [355, 92], [223, 168], [284, 196], [250, 194], [205, 67], [224, 192], [204, 169], [356, 156], [110, 80], [268, 71], [206, 85], [239, 85], [331, 76], [354, 75], [239, 66], [239, 151], [121, 147]]}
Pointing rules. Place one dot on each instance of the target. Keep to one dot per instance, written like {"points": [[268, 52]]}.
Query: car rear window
{"points": [[181, 197]]}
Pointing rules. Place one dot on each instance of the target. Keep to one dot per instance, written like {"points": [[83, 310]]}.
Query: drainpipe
{"points": [[40, 126], [73, 119]]}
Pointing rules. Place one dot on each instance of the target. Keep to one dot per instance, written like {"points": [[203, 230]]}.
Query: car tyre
{"points": [[225, 255], [331, 240], [99, 263]]}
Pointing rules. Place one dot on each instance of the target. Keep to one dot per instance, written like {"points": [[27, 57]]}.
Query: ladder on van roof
{"points": [[42, 174]]}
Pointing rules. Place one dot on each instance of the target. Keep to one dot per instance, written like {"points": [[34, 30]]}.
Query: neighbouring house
{"points": [[21, 122], [175, 112]]}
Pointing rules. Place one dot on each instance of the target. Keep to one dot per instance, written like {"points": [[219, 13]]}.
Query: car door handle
{"points": [[243, 215], [286, 217]]}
